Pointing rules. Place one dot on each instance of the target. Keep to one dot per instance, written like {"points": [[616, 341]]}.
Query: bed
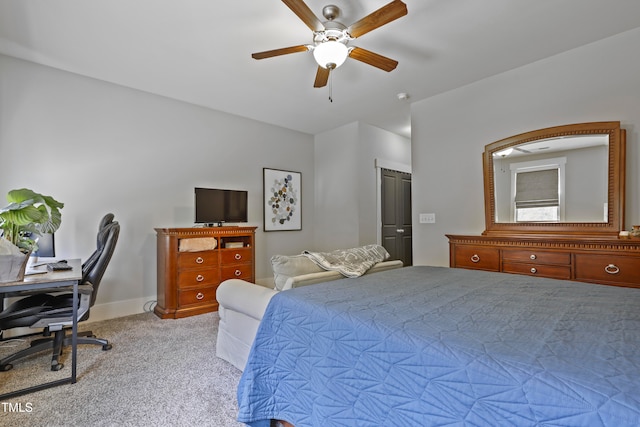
{"points": [[435, 346]]}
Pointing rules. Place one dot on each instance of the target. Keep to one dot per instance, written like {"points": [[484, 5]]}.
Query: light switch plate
{"points": [[427, 218]]}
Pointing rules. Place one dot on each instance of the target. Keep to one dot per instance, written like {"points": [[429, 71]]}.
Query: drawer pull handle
{"points": [[199, 278], [475, 258], [533, 256], [612, 269], [238, 273], [199, 260], [199, 296], [238, 256], [533, 270]]}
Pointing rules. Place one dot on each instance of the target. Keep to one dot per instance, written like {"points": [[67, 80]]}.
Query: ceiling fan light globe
{"points": [[505, 152], [330, 54]]}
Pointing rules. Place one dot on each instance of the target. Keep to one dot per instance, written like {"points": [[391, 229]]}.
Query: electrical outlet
{"points": [[427, 218]]}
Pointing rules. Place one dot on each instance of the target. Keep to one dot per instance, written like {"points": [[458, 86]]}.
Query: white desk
{"points": [[49, 280]]}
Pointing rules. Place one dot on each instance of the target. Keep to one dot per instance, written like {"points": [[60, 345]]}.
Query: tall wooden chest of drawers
{"points": [[192, 262]]}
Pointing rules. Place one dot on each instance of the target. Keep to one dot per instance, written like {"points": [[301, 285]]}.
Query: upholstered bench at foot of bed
{"points": [[242, 305]]}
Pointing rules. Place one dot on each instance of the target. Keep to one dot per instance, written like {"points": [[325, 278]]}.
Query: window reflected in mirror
{"points": [[553, 180], [537, 193]]}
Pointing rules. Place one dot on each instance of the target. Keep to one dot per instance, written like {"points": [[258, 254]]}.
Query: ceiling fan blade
{"points": [[322, 77], [278, 52], [371, 58], [302, 10], [392, 11]]}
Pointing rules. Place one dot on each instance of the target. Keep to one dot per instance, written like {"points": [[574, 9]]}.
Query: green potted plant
{"points": [[28, 215]]}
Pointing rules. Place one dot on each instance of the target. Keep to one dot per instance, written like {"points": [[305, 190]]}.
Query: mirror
{"points": [[565, 179]]}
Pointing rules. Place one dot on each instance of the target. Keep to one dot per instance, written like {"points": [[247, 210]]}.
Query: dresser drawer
{"points": [[477, 257], [197, 259], [621, 270], [239, 271], [198, 278], [542, 270], [235, 256], [204, 295], [536, 257]]}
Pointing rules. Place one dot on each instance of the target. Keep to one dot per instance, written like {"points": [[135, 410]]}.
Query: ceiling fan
{"points": [[330, 38]]}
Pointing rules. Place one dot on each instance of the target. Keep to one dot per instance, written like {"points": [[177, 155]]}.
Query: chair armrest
{"points": [[20, 313], [244, 297], [42, 307]]}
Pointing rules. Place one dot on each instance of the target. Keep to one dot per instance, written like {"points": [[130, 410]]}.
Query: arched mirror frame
{"points": [[616, 184]]}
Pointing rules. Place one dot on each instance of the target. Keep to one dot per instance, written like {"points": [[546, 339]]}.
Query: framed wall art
{"points": [[282, 200]]}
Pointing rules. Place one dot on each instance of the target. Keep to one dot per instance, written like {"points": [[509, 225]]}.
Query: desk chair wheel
{"points": [[7, 367], [57, 366], [107, 347]]}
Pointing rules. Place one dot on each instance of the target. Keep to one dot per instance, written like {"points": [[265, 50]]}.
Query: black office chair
{"points": [[54, 312]]}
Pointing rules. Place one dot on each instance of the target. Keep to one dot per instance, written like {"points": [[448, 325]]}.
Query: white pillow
{"points": [[285, 267]]}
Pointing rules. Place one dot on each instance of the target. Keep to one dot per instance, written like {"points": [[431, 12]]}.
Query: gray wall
{"points": [[336, 188], [346, 188], [597, 82], [100, 147]]}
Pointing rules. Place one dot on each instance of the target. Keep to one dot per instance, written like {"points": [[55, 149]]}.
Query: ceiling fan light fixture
{"points": [[330, 54], [504, 153]]}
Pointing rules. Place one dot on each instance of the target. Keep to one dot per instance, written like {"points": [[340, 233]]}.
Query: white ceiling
{"points": [[199, 51]]}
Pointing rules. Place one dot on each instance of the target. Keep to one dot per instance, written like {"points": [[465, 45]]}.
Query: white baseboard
{"points": [[112, 310]]}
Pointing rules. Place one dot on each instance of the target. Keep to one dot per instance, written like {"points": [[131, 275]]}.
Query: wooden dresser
{"points": [[608, 261], [192, 262], [582, 242]]}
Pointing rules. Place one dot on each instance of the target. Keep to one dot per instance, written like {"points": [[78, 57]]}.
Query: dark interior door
{"points": [[396, 215]]}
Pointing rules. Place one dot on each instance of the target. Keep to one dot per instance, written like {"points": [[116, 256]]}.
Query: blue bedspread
{"points": [[430, 346]]}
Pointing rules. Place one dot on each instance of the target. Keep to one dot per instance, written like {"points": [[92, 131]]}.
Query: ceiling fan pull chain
{"points": [[330, 85]]}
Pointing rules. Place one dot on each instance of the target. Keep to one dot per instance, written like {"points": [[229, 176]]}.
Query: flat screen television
{"points": [[215, 206]]}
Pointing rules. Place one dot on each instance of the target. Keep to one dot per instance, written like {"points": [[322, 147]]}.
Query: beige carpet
{"points": [[159, 372]]}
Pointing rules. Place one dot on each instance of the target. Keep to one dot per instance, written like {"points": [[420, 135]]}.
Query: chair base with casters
{"points": [[55, 343]]}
